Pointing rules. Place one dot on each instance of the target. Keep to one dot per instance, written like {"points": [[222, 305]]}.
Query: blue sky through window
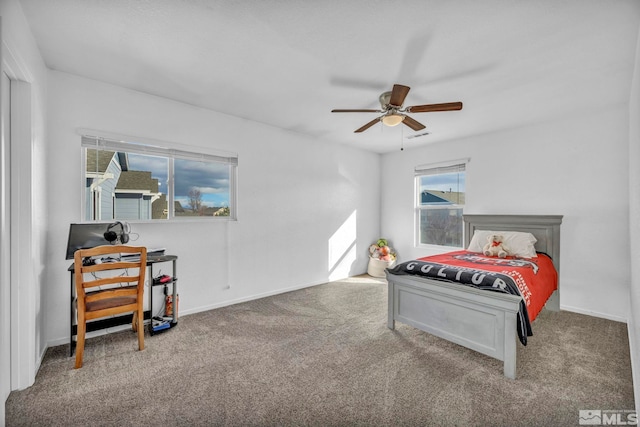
{"points": [[212, 179], [453, 181]]}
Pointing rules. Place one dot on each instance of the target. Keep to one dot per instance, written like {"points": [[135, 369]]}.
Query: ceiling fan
{"points": [[393, 113]]}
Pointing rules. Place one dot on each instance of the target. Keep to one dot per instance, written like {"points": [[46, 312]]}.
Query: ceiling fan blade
{"points": [[338, 110], [368, 125], [413, 124], [448, 106], [398, 94]]}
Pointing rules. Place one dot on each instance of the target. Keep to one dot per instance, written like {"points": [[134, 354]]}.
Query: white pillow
{"points": [[519, 243]]}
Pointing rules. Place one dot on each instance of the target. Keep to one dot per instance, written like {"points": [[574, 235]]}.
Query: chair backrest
{"points": [[129, 261]]}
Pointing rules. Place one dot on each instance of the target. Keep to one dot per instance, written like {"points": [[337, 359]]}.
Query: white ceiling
{"points": [[287, 63]]}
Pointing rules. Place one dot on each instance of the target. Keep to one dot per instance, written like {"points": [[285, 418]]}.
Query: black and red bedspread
{"points": [[533, 279]]}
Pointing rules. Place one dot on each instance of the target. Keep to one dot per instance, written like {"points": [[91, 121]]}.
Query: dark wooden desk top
{"points": [[151, 259]]}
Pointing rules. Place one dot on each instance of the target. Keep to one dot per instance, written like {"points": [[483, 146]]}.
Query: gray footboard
{"points": [[480, 320]]}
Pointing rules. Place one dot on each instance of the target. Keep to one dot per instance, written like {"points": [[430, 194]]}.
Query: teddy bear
{"points": [[494, 246]]}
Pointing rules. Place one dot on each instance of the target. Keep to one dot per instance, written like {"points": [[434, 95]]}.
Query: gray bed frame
{"points": [[480, 320]]}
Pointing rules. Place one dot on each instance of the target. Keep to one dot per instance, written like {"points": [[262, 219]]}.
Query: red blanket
{"points": [[536, 278]]}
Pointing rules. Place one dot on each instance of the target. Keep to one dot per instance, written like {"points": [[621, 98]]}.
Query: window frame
{"points": [[436, 169], [167, 150]]}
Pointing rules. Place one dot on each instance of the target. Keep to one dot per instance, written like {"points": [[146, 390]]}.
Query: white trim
{"points": [[233, 192], [443, 164], [143, 192], [171, 192], [65, 341], [634, 353], [100, 140], [592, 313], [23, 300], [96, 203], [103, 176], [249, 298], [12, 64], [432, 169], [5, 242], [150, 146]]}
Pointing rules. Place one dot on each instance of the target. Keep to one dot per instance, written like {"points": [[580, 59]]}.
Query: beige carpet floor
{"points": [[323, 356]]}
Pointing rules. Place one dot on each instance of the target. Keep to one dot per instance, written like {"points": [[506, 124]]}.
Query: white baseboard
{"points": [[248, 298], [65, 340], [592, 313], [634, 350], [634, 345]]}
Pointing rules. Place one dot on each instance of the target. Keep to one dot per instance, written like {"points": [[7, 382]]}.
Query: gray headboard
{"points": [[545, 228]]}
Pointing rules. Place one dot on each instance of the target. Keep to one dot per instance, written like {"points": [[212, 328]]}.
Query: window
{"points": [[131, 181], [440, 195]]}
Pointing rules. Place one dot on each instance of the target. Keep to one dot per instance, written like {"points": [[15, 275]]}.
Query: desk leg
{"points": [[175, 293], [71, 315], [150, 299]]}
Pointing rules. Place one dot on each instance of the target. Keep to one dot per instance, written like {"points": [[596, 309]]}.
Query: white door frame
{"points": [[23, 260], [5, 243]]}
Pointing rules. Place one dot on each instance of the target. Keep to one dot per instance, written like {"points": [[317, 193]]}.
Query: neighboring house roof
{"points": [[137, 180], [436, 196], [159, 208], [98, 160]]}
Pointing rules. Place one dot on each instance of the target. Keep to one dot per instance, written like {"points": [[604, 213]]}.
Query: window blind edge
{"points": [[102, 143], [441, 167]]}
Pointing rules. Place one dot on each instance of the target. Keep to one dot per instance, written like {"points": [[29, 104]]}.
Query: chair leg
{"points": [[82, 326], [134, 322], [140, 326]]}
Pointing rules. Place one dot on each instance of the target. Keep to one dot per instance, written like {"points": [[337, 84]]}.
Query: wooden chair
{"points": [[121, 288]]}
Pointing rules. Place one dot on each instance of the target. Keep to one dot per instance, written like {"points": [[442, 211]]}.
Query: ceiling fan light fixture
{"points": [[392, 119], [394, 112]]}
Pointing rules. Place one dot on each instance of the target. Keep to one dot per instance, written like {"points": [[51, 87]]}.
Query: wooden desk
{"points": [[127, 318]]}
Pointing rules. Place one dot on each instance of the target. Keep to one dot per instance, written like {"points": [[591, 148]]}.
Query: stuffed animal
{"points": [[494, 246], [380, 250]]}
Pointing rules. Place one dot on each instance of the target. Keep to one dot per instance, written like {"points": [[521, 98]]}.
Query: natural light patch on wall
{"points": [[342, 248]]}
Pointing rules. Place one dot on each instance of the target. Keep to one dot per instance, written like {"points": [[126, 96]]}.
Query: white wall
{"points": [[634, 229], [307, 209], [576, 167]]}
